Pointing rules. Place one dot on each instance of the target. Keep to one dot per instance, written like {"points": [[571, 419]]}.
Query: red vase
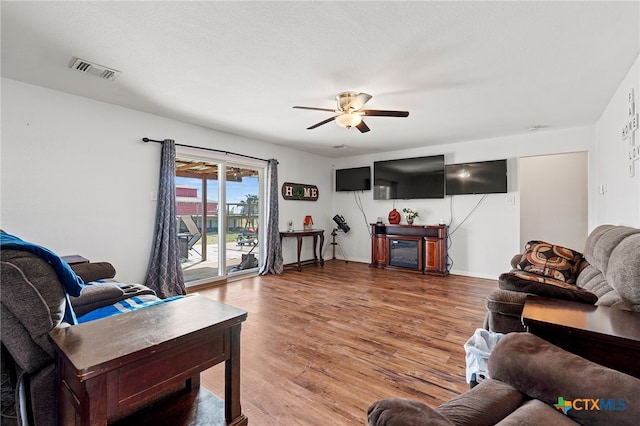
{"points": [[394, 217]]}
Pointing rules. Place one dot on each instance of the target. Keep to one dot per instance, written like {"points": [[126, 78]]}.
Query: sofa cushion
{"points": [[531, 283], [96, 295], [624, 270], [550, 260], [602, 241]]}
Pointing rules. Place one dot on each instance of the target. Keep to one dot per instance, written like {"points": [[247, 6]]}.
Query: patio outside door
{"points": [[219, 215]]}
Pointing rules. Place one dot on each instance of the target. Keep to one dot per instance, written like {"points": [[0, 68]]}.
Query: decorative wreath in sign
{"points": [[298, 192]]}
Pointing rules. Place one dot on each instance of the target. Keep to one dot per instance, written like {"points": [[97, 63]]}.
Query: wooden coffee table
{"points": [[607, 336], [113, 367]]}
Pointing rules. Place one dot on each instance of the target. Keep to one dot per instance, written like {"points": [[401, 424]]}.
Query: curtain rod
{"points": [[207, 149]]}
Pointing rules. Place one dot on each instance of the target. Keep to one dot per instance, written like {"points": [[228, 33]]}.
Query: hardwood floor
{"points": [[321, 345]]}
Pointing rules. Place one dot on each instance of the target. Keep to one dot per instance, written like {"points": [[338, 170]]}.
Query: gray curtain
{"points": [[164, 274], [273, 259]]}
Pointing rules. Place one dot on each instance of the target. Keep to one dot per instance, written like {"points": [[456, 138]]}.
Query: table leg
{"points": [[232, 409], [320, 248], [299, 250], [93, 410]]}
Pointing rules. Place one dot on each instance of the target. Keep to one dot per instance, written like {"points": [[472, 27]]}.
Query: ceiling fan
{"points": [[350, 111]]}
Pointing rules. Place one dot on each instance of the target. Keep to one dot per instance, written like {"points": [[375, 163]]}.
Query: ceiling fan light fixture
{"points": [[348, 120]]}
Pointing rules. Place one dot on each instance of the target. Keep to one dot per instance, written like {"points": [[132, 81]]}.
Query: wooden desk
{"points": [[112, 367], [610, 337], [318, 236]]}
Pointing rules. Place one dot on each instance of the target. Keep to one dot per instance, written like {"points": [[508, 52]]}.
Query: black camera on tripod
{"points": [[342, 224]]}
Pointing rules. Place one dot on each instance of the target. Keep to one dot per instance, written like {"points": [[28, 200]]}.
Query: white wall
{"points": [[487, 240], [620, 204], [77, 179], [483, 245]]}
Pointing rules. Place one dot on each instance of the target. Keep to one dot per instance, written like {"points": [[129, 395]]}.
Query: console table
{"points": [[607, 336], [318, 236], [112, 367], [417, 248]]}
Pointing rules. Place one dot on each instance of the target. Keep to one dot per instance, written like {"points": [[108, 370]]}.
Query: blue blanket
{"points": [[127, 305], [72, 283]]}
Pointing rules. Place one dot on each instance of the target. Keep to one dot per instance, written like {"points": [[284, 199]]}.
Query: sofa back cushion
{"points": [[623, 272], [550, 260], [33, 301], [602, 241]]}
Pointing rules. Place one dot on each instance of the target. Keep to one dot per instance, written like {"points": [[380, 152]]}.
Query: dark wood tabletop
{"points": [[90, 351], [602, 320], [608, 336]]}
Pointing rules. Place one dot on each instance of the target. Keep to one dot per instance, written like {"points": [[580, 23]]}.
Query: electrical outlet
{"points": [[510, 200], [602, 188]]}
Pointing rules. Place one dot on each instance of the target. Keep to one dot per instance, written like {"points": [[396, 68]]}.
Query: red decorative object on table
{"points": [[394, 217]]}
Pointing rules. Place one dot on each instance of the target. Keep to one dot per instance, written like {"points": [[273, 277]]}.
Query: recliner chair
{"points": [[33, 302]]}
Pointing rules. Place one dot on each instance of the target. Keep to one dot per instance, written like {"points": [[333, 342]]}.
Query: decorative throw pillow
{"points": [[550, 260], [535, 284]]}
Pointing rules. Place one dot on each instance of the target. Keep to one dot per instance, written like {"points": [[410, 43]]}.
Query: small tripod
{"points": [[334, 243]]}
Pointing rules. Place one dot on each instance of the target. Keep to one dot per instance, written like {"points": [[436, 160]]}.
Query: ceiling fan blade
{"points": [[384, 113], [363, 127], [328, 120], [315, 109], [359, 101]]}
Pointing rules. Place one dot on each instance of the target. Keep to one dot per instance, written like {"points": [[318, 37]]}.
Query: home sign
{"points": [[299, 191]]}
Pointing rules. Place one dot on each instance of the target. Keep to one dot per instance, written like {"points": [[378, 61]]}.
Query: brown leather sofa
{"points": [[532, 383], [33, 302], [605, 274]]}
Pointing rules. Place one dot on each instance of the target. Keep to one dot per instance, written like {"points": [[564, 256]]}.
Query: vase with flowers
{"points": [[410, 215]]}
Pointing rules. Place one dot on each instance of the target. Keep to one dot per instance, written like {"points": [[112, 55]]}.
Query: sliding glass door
{"points": [[219, 212], [242, 218]]}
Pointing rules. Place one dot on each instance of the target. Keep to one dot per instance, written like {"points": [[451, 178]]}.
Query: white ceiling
{"points": [[464, 70]]}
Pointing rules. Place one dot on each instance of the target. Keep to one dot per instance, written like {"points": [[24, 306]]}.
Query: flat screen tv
{"points": [[354, 179], [409, 178], [485, 177]]}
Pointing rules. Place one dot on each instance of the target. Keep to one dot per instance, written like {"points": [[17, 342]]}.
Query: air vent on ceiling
{"points": [[87, 67]]}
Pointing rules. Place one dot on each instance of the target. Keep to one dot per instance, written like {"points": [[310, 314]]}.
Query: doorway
{"points": [[554, 199]]}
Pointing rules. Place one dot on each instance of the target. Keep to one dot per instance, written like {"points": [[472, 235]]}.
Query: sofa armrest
{"points": [[403, 412], [484, 405], [546, 372], [506, 302], [94, 271]]}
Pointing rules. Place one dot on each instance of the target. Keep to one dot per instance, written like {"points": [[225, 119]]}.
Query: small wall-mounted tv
{"points": [[485, 177], [409, 178], [354, 179]]}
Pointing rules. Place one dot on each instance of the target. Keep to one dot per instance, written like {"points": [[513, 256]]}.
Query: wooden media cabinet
{"points": [[416, 248]]}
